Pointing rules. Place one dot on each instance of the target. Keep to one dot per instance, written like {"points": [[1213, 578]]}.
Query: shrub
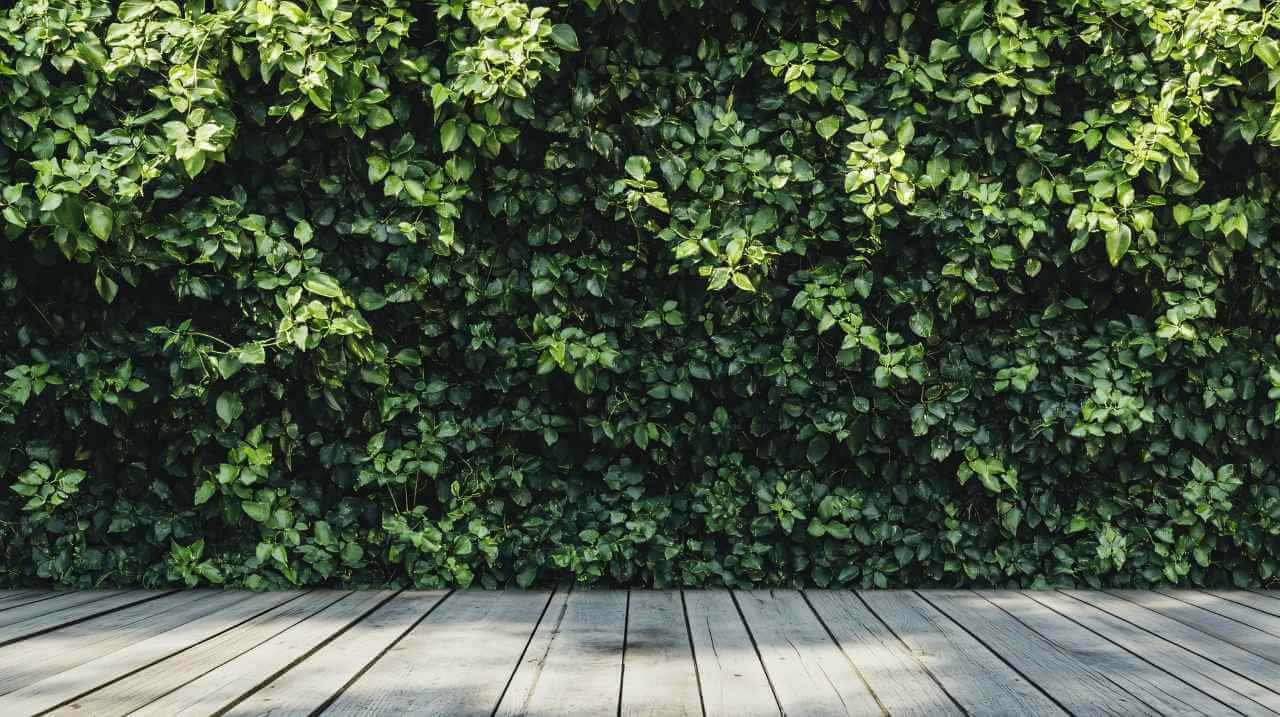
{"points": [[687, 292]]}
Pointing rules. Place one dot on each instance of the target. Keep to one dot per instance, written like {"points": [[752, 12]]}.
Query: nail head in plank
{"points": [[733, 682], [974, 677], [809, 673], [659, 676], [1163, 691], [898, 679], [578, 667], [454, 662]]}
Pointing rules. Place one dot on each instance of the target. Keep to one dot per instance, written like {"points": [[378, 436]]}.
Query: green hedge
{"points": [[685, 292]]}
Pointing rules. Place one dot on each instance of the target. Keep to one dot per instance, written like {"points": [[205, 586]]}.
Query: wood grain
{"points": [[809, 673], [575, 668], [730, 673], [659, 675], [455, 662], [974, 676], [898, 679], [319, 678]]}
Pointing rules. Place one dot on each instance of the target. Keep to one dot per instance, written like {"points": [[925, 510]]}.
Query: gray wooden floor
{"points": [[640, 653]]}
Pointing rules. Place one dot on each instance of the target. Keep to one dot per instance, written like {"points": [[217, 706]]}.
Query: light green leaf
{"points": [[451, 134], [100, 219], [564, 37], [229, 408], [637, 167]]}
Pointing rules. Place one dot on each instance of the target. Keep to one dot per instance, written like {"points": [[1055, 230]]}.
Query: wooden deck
{"points": [[640, 653]]}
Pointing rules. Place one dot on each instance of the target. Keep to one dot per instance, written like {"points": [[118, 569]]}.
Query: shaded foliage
{"points": [[680, 292]]}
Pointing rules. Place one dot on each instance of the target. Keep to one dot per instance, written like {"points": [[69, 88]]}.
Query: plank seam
{"points": [[832, 636], [999, 657], [1173, 595], [622, 672], [334, 697], [1082, 626], [1206, 658], [693, 651], [520, 660], [542, 662], [1066, 652], [294, 663], [255, 645], [911, 653], [23, 602], [1260, 611], [247, 649], [192, 646], [764, 667], [86, 618]]}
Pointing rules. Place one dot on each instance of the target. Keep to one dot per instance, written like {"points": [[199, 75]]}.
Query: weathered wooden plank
{"points": [[457, 661], [1250, 599], [208, 618], [1244, 663], [574, 664], [1236, 614], [529, 671], [732, 678], [809, 673], [1183, 607], [18, 598], [659, 676], [220, 688], [1223, 685], [897, 678], [152, 683], [974, 677], [59, 601], [1068, 681], [1154, 686], [311, 684], [52, 653], [45, 615]]}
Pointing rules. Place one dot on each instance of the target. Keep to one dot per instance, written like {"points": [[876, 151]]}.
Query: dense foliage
{"points": [[699, 292]]}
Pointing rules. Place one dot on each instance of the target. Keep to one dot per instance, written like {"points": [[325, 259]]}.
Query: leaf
{"points": [[256, 511], [1118, 243], [378, 168], [107, 288], [921, 324], [451, 134], [637, 167], [100, 219], [206, 491], [827, 127], [564, 38], [1267, 50], [322, 284], [229, 407]]}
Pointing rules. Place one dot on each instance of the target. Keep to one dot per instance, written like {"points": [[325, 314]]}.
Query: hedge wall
{"points": [[674, 292]]}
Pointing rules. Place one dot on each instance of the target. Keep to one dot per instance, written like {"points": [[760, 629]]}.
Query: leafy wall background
{"points": [[653, 293]]}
